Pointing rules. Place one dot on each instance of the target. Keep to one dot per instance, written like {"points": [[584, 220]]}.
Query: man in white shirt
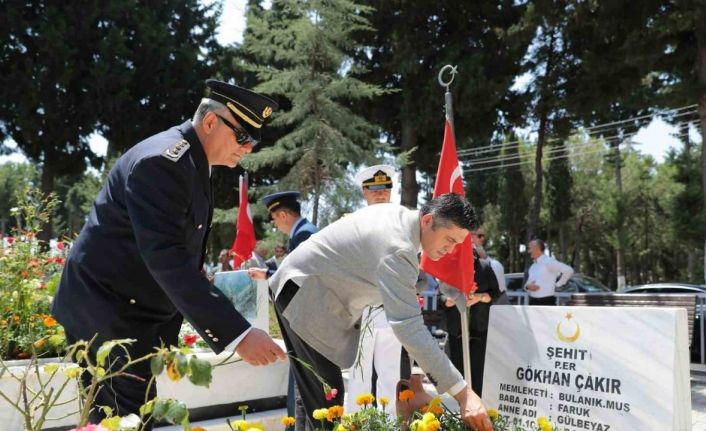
{"points": [[545, 274], [379, 365]]}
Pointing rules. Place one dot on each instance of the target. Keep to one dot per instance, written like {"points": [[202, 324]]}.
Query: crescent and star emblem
{"points": [[455, 175], [568, 338]]}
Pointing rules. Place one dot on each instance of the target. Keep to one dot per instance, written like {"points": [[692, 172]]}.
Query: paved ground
{"points": [[698, 407]]}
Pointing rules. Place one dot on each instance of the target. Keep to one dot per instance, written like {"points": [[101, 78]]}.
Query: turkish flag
{"points": [[244, 242], [455, 268]]}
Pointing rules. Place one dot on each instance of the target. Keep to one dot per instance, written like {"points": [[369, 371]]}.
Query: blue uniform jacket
{"points": [[301, 233], [135, 269]]}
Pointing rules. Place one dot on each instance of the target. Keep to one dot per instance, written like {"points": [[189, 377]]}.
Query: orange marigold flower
{"points": [[334, 412], [407, 395], [288, 421], [49, 322], [364, 399]]}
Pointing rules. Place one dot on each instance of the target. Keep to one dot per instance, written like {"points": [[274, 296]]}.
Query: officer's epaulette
{"points": [[177, 150]]}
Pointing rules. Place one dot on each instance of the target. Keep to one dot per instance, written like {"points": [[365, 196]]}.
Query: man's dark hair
{"points": [[451, 209], [540, 244]]}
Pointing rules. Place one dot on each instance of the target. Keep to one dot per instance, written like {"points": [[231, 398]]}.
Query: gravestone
{"points": [[589, 368]]}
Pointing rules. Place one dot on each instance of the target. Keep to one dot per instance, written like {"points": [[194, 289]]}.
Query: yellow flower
{"points": [[288, 421], [434, 407], [384, 401], [49, 321], [255, 426], [334, 412], [364, 399], [40, 343], [407, 395], [73, 372], [340, 427], [320, 414], [433, 425], [418, 425], [428, 417], [544, 424], [239, 425], [493, 414]]}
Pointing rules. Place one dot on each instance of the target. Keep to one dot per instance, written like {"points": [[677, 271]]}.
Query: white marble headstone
{"points": [[589, 368]]}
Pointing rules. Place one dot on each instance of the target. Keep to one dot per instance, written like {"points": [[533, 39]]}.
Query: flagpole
{"points": [[465, 336]]}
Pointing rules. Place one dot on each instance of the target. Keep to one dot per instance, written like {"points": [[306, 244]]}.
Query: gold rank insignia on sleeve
{"points": [[177, 150]]}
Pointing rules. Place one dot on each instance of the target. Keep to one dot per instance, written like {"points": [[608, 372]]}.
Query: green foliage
{"points": [[309, 45], [25, 270], [14, 177], [486, 40]]}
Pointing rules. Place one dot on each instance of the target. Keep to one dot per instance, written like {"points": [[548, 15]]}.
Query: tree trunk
{"points": [[562, 241], [317, 194], [48, 177], [543, 107], [410, 189], [701, 53]]}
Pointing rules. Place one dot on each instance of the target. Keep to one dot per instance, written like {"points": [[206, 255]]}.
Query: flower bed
{"points": [[29, 275]]}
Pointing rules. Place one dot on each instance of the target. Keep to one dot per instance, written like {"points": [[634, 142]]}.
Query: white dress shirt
{"points": [[544, 272]]}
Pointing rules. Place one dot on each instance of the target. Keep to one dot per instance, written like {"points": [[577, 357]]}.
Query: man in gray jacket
{"points": [[369, 258]]}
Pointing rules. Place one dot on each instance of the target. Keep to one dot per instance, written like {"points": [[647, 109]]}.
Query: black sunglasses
{"points": [[241, 136]]}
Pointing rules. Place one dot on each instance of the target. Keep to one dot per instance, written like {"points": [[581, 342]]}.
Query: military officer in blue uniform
{"points": [[285, 212], [135, 270]]}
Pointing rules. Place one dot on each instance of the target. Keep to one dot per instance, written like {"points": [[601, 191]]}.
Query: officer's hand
{"points": [[257, 348], [532, 286], [472, 410], [450, 302], [257, 273]]}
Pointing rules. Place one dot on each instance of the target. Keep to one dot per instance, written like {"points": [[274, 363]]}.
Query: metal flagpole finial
{"points": [[453, 70]]}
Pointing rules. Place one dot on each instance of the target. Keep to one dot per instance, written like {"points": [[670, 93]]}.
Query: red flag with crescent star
{"points": [[244, 242], [455, 268]]}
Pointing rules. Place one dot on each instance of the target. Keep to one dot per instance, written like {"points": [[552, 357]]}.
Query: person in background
{"points": [[379, 364], [285, 212], [258, 257], [478, 238], [545, 275], [275, 261], [225, 262]]}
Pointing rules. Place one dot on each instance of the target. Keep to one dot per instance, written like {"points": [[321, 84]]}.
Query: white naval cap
{"points": [[376, 177]]}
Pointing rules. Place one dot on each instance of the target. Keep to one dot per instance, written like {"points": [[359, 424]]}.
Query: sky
{"points": [[655, 139]]}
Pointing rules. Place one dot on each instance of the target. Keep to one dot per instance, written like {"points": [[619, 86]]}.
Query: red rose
{"points": [[190, 339], [60, 245], [332, 394]]}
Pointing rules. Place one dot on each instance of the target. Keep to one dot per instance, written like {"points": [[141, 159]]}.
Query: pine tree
{"points": [[513, 202], [303, 53]]}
